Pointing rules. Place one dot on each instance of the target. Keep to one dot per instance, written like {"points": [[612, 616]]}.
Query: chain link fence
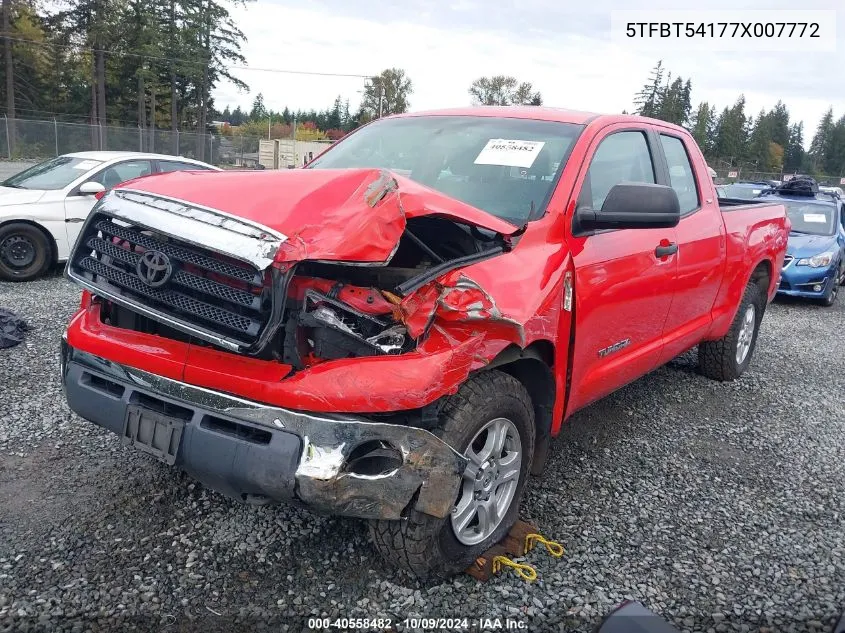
{"points": [[26, 141], [732, 174]]}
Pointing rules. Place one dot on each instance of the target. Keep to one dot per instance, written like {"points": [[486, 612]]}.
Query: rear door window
{"points": [[681, 175], [166, 166]]}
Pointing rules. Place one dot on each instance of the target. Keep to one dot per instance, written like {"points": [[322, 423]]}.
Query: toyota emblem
{"points": [[154, 268]]}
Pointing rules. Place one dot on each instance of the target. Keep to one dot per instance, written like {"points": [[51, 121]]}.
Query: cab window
{"points": [[681, 175], [621, 157]]}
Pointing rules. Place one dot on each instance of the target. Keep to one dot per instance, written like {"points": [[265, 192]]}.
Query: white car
{"points": [[43, 207]]}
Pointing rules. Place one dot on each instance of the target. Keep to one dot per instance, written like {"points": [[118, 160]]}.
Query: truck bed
{"points": [[756, 231]]}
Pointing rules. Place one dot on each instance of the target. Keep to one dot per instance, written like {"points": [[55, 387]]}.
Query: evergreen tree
{"points": [[702, 125], [779, 124], [732, 132], [259, 111], [334, 116], [647, 99], [821, 145], [834, 162], [794, 156], [758, 141], [673, 103]]}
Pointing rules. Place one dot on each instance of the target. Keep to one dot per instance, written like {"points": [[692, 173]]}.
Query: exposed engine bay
{"points": [[346, 310], [333, 310]]}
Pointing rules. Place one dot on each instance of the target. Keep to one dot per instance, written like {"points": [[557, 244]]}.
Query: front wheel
{"points": [[729, 357], [830, 300], [491, 422], [24, 252]]}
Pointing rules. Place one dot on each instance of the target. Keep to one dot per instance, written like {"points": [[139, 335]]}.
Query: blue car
{"points": [[814, 266]]}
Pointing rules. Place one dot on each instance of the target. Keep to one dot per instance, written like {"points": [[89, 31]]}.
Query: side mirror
{"points": [[632, 205], [633, 617], [90, 188]]}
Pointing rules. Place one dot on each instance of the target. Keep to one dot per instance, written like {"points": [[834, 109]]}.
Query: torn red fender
{"points": [[456, 298]]}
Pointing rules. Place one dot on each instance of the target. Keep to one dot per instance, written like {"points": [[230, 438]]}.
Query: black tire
{"points": [[718, 359], [842, 274], [830, 300], [24, 252], [426, 546]]}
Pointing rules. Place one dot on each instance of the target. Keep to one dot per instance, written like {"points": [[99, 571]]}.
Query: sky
{"points": [[565, 50]]}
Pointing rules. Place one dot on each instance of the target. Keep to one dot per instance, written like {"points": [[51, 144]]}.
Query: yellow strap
{"points": [[555, 549], [526, 572]]}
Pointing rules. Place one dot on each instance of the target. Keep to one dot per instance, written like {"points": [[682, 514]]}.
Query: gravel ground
{"points": [[719, 506]]}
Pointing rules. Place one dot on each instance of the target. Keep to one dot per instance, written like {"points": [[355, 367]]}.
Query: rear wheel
{"points": [[729, 357], [24, 252], [491, 422]]}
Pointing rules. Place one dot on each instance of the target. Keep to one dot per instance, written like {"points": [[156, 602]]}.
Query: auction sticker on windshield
{"points": [[509, 153], [815, 217]]}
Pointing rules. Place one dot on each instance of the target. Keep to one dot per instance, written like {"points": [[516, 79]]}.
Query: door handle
{"points": [[664, 250]]}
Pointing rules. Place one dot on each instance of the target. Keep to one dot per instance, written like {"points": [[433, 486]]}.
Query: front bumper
{"points": [[344, 465], [802, 283]]}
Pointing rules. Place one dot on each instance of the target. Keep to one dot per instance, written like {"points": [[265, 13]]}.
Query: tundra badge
{"points": [[614, 348]]}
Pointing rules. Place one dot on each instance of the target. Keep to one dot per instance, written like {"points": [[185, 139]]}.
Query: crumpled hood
{"points": [[10, 196], [808, 245], [353, 215]]}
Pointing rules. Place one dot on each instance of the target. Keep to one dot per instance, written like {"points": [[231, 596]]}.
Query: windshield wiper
{"points": [[8, 184]]}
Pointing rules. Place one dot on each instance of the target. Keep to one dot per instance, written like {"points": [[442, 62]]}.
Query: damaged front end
{"points": [[377, 273], [297, 299]]}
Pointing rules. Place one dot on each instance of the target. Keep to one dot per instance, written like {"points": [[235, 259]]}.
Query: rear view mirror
{"points": [[91, 188], [632, 205]]}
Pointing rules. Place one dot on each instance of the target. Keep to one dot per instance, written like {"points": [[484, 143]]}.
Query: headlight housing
{"points": [[822, 260]]}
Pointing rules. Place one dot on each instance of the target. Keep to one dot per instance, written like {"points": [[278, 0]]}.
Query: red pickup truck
{"points": [[396, 331]]}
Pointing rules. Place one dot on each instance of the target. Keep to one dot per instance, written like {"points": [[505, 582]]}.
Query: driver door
{"points": [[78, 205], [624, 279]]}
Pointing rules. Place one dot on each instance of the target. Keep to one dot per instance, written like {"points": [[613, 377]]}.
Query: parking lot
{"points": [[718, 505]]}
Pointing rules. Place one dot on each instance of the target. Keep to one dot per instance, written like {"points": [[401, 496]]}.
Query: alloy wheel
{"points": [[489, 481], [746, 334]]}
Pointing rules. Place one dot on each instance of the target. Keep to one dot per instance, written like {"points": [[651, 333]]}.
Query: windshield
{"points": [[57, 173], [506, 167], [745, 192], [813, 219]]}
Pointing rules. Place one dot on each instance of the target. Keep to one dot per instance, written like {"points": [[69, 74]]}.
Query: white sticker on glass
{"points": [[755, 191], [86, 164], [815, 217], [509, 153]]}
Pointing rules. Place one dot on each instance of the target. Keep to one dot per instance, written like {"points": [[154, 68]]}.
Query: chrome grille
{"points": [[206, 293]]}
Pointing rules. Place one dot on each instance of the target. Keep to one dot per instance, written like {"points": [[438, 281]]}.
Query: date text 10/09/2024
{"points": [[434, 624]]}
